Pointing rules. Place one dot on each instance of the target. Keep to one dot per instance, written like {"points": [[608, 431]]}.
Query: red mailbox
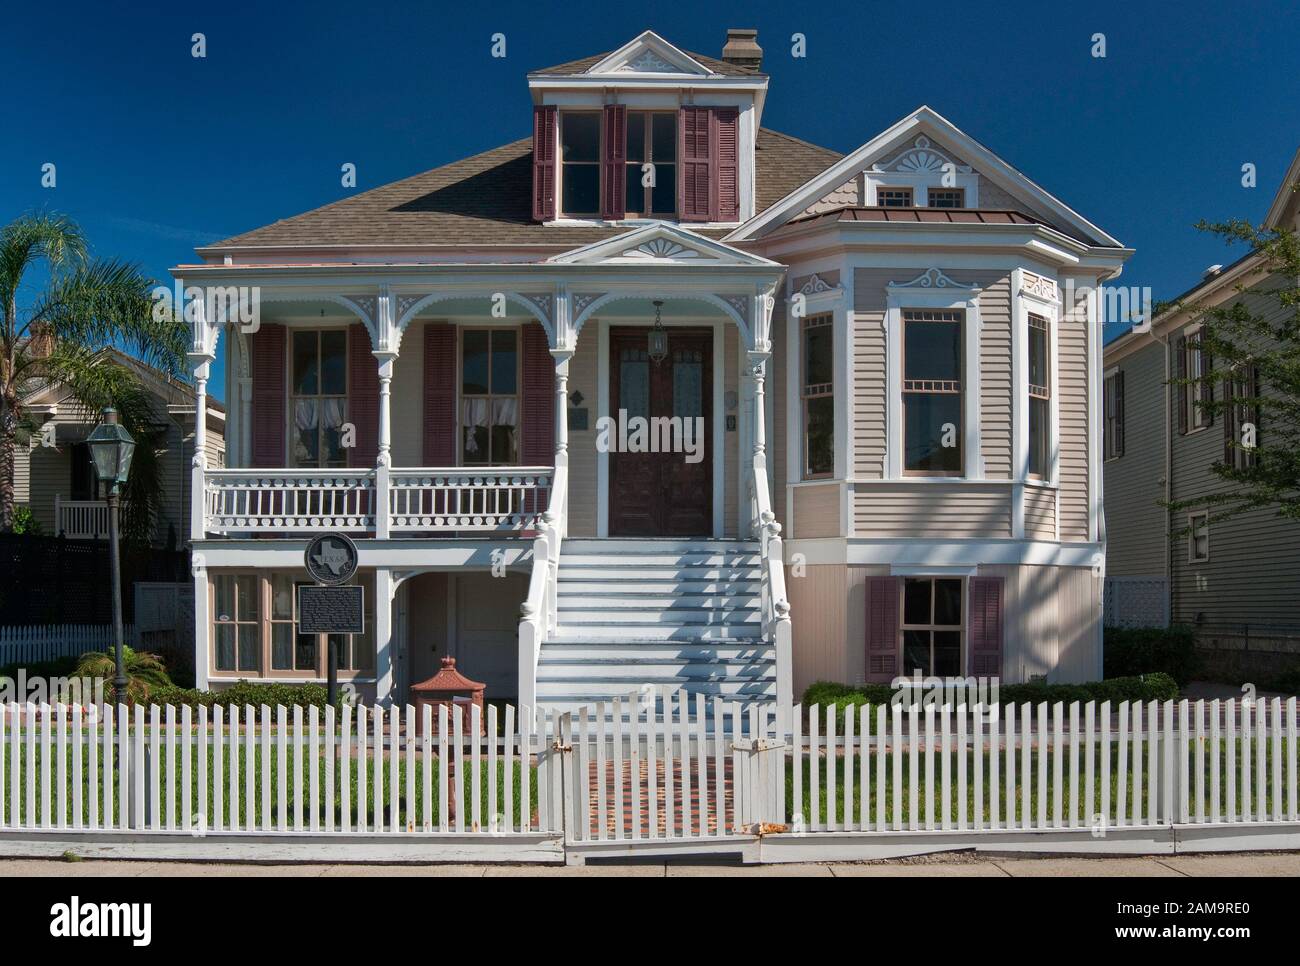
{"points": [[450, 688]]}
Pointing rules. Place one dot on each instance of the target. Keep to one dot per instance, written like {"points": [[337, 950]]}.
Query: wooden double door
{"points": [[661, 479]]}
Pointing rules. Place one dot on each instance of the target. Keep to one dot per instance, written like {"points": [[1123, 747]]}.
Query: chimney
{"points": [[742, 48]]}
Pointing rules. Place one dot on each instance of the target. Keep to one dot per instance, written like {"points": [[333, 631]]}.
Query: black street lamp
{"points": [[111, 448]]}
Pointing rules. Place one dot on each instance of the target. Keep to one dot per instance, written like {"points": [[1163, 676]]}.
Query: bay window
{"points": [[318, 397], [1040, 395], [489, 397], [932, 392], [818, 396]]}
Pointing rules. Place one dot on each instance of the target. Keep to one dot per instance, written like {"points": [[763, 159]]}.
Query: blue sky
{"points": [[157, 151]]}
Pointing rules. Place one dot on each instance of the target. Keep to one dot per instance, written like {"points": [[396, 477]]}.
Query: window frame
{"points": [[1112, 415], [826, 390], [959, 192], [647, 199], [887, 188], [1043, 395], [903, 626], [291, 396], [1193, 391], [960, 391], [265, 669], [1243, 384], [561, 202], [1192, 518], [461, 395]]}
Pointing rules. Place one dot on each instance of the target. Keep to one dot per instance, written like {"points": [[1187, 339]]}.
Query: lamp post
{"points": [[111, 448]]}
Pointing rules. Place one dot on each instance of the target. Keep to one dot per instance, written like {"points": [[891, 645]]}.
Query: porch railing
{"points": [[447, 499], [538, 614], [775, 606], [80, 519]]}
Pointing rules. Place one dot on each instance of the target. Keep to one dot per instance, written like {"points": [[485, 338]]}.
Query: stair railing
{"points": [[537, 615], [775, 606]]}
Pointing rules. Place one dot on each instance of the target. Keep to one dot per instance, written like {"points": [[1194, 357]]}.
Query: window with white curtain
{"points": [[489, 397], [318, 402]]}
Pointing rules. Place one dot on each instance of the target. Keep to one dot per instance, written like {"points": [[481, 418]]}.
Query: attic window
{"points": [[946, 198], [894, 197], [580, 160], [651, 139]]}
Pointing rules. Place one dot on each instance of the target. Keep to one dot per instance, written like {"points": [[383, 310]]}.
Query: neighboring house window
{"points": [[651, 139], [83, 482], [932, 392], [932, 625], [255, 629], [946, 197], [1040, 395], [1198, 537], [894, 197], [818, 396], [1113, 418], [1193, 364], [1241, 427], [318, 400], [489, 397], [580, 163]]}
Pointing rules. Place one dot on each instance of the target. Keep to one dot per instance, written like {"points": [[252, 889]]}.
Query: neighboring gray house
{"points": [[1235, 579], [54, 477]]}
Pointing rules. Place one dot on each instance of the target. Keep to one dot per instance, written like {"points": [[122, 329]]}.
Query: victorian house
{"points": [[871, 384]]}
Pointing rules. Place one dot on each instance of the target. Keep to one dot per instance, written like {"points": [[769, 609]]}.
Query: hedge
{"points": [[1144, 650], [244, 693]]}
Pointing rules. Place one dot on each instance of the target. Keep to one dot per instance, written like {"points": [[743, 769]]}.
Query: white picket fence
{"points": [[675, 771], [45, 642]]}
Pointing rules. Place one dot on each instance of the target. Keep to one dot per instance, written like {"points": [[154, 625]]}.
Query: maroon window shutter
{"points": [[882, 629], [267, 351], [695, 166], [1119, 413], [986, 626], [543, 163], [439, 395], [1180, 361], [1207, 384], [363, 397], [537, 428], [613, 195], [726, 126]]}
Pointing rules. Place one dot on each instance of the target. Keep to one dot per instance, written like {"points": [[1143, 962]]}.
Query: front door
{"points": [[661, 470]]}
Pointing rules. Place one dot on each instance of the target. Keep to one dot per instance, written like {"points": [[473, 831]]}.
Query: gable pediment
{"points": [[649, 53], [659, 244]]}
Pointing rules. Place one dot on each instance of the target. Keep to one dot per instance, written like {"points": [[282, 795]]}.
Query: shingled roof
{"points": [[486, 200], [574, 67]]}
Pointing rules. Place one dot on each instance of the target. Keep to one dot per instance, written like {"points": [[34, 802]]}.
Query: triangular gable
{"points": [[648, 53], [917, 142], [659, 244], [1287, 199]]}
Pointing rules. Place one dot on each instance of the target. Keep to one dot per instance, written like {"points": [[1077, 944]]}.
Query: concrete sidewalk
{"points": [[956, 864]]}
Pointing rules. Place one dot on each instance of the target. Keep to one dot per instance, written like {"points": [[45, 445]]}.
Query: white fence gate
{"points": [[47, 642]]}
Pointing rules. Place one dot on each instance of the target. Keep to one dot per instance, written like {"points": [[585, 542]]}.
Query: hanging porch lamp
{"points": [[657, 347]]}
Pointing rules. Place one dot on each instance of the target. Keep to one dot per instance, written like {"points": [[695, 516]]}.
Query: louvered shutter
{"points": [[544, 135], [439, 395], [1119, 413], [985, 626], [882, 629], [363, 397], [537, 445], [694, 164], [726, 177], [266, 348], [613, 179]]}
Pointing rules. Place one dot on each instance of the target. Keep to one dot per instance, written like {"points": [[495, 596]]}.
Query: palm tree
{"points": [[79, 306]]}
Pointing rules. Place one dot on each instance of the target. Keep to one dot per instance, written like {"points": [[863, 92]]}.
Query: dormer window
{"points": [[894, 197], [580, 163], [651, 139]]}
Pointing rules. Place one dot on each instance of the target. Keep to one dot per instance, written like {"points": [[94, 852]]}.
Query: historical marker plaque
{"points": [[331, 610]]}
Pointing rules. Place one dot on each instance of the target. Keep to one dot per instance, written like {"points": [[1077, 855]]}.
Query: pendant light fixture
{"points": [[658, 340]]}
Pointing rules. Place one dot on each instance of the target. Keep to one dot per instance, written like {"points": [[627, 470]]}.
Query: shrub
{"points": [[1143, 650], [145, 672], [245, 693]]}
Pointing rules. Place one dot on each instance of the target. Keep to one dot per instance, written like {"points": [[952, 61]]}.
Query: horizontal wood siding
{"points": [[817, 511], [1135, 522], [996, 384], [964, 510], [584, 378], [1073, 405], [731, 456], [776, 429], [1040, 513], [870, 410]]}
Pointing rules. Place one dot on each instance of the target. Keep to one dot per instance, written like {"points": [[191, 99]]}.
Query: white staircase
{"points": [[670, 614]]}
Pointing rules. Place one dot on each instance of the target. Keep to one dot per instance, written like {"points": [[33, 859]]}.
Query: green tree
{"points": [[61, 308], [1252, 381]]}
